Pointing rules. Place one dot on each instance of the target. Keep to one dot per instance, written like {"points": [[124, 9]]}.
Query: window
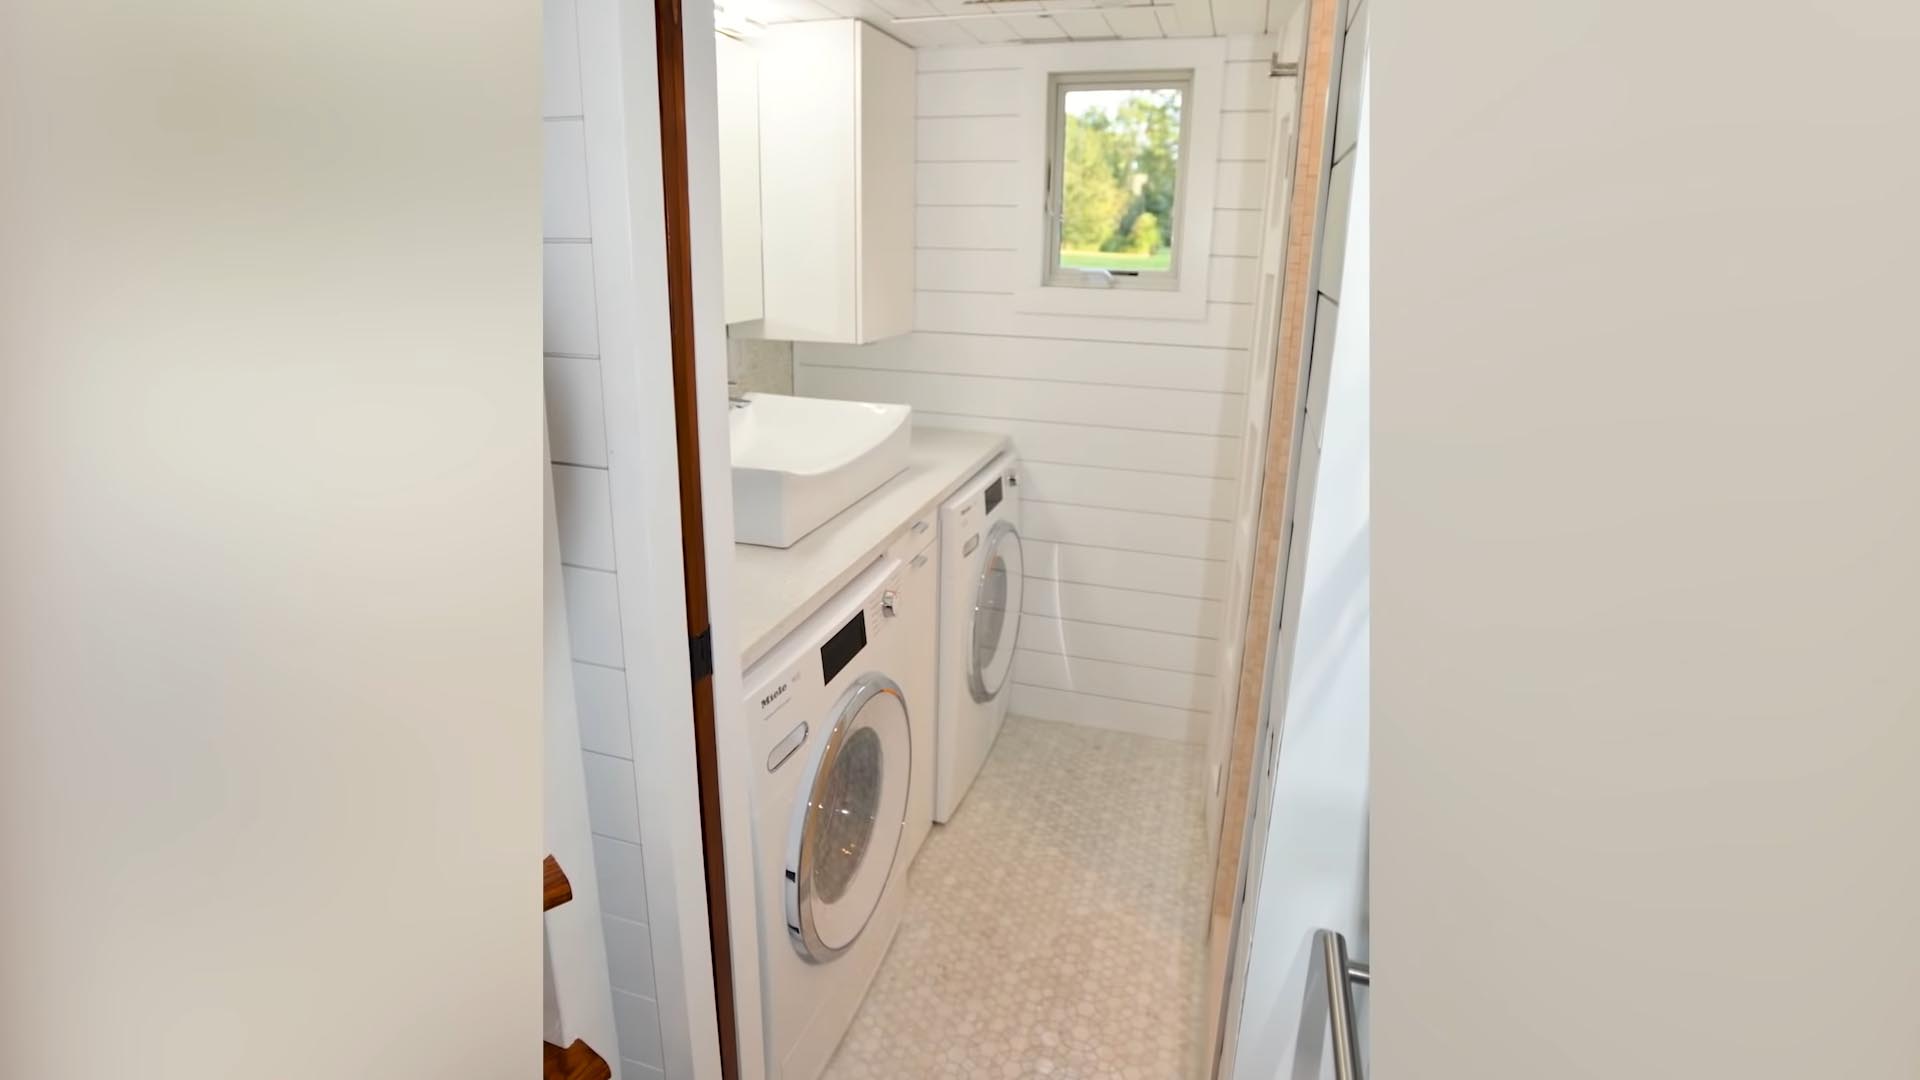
{"points": [[1114, 170]]}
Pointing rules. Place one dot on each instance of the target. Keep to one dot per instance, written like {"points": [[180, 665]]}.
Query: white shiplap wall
{"points": [[577, 433], [1130, 428]]}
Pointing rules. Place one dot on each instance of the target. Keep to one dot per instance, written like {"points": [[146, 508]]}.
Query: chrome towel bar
{"points": [[1328, 1006]]}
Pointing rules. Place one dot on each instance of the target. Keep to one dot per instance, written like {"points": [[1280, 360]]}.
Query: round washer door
{"points": [[996, 613], [847, 827]]}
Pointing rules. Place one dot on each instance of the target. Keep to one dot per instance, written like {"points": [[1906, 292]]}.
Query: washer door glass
{"points": [[996, 614], [848, 827]]}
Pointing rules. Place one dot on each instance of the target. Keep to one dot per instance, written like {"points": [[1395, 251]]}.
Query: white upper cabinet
{"points": [[739, 84], [836, 201]]}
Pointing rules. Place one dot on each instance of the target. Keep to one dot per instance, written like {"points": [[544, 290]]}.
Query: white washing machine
{"points": [[917, 602], [834, 750], [981, 584]]}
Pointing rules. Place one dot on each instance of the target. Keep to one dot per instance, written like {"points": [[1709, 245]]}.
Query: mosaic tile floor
{"points": [[1056, 925]]}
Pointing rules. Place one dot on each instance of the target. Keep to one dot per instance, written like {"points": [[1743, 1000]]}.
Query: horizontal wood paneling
{"points": [[1122, 645], [1249, 85], [1153, 686], [1240, 185], [1127, 530], [1245, 136], [1127, 489], [1121, 607], [1189, 411], [1231, 278], [1079, 444], [967, 138], [1175, 575], [1236, 232], [967, 93], [985, 58], [1226, 326], [1129, 429], [1112, 714], [952, 270], [966, 183], [972, 227], [1120, 363]]}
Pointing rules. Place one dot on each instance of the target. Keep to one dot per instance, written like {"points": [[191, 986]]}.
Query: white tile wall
{"points": [[629, 953], [1130, 427], [623, 878], [613, 802], [601, 696], [593, 616], [576, 434], [585, 509], [637, 1019], [575, 425], [567, 311], [560, 67], [563, 181]]}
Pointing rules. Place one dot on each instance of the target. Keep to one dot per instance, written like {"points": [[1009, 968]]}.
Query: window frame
{"points": [[1059, 85], [1203, 126]]}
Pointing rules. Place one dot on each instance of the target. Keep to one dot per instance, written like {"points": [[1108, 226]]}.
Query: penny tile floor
{"points": [[1056, 926]]}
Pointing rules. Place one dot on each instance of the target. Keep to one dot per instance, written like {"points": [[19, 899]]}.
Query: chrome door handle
{"points": [[1328, 1006]]}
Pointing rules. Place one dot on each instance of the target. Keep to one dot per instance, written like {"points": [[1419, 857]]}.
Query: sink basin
{"points": [[798, 461]]}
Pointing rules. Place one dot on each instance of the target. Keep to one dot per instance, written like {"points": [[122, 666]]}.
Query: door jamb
{"points": [[1252, 739]]}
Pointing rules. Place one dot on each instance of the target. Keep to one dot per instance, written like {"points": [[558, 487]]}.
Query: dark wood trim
{"points": [[670, 45], [576, 1062], [555, 889]]}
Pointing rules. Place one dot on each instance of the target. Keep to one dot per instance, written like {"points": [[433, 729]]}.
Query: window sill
{"points": [[1188, 304]]}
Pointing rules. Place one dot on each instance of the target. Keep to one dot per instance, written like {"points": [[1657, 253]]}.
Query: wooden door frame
{"points": [[671, 68], [1272, 545]]}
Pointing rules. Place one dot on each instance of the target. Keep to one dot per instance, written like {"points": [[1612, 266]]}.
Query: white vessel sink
{"points": [[798, 461]]}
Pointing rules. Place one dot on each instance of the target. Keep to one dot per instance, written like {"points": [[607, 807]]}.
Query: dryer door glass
{"points": [[996, 614], [851, 821]]}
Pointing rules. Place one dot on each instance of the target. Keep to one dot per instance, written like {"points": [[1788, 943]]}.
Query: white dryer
{"points": [[981, 586], [834, 750]]}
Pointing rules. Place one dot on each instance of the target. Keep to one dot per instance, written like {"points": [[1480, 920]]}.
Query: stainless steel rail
{"points": [[1328, 1007]]}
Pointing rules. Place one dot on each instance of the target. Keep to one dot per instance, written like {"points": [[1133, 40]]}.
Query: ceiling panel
{"points": [[1038, 27], [1195, 18], [1084, 25], [1006, 21], [989, 31], [1239, 16], [1133, 22]]}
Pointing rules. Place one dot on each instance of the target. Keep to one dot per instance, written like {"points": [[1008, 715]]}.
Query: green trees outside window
{"points": [[1122, 156]]}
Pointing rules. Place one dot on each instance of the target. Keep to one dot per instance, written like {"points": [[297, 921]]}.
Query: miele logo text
{"points": [[778, 692]]}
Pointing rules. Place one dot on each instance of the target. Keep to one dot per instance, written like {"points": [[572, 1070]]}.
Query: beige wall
{"points": [[1646, 706], [270, 597]]}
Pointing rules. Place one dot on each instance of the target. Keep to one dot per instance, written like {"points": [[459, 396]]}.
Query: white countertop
{"points": [[774, 589]]}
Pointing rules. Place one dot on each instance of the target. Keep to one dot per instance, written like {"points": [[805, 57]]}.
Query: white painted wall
{"points": [[611, 421], [1130, 428], [1312, 871]]}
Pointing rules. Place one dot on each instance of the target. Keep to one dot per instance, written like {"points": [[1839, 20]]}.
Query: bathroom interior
{"points": [[1002, 286]]}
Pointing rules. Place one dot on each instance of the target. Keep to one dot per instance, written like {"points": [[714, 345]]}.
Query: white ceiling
{"points": [[1030, 20]]}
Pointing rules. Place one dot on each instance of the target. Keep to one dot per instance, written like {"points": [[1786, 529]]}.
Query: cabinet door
{"points": [[808, 117], [739, 86], [886, 178]]}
